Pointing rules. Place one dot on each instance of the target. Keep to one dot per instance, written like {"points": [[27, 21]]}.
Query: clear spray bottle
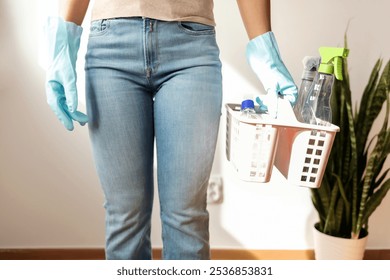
{"points": [[316, 108], [310, 67]]}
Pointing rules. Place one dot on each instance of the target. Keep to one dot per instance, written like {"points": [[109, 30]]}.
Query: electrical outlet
{"points": [[215, 190]]}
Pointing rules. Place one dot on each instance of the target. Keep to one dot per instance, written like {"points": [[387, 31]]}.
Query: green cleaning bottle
{"points": [[316, 108]]}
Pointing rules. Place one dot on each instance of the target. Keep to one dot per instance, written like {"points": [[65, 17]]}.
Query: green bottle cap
{"points": [[332, 61]]}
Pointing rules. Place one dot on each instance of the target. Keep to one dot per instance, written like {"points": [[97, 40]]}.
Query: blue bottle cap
{"points": [[247, 104]]}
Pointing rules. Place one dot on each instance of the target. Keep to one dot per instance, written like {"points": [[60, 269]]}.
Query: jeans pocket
{"points": [[99, 27], [194, 28]]}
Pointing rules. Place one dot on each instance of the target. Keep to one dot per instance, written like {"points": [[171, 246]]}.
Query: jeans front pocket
{"points": [[99, 27], [194, 28]]}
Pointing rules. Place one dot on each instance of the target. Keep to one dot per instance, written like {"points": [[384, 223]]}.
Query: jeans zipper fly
{"points": [[148, 46]]}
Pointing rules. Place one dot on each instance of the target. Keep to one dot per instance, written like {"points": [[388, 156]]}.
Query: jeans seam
{"points": [[141, 243]]}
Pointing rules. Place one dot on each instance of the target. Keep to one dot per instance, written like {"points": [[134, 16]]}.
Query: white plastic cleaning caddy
{"points": [[298, 150]]}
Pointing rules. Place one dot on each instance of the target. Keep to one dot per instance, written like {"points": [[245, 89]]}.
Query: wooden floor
{"points": [[216, 254]]}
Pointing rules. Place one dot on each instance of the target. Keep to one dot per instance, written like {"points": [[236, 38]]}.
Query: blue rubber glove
{"points": [[263, 56], [63, 42]]}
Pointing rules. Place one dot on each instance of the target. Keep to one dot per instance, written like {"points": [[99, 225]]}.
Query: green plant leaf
{"points": [[341, 189], [384, 152], [369, 178], [375, 200], [343, 212], [353, 165], [380, 180], [320, 198], [319, 207], [370, 105], [330, 222], [345, 145], [339, 213]]}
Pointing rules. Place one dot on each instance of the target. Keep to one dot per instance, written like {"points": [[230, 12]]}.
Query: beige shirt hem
{"points": [[125, 15], [166, 10]]}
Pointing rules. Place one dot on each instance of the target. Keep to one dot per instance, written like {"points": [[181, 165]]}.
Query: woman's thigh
{"points": [[120, 108]]}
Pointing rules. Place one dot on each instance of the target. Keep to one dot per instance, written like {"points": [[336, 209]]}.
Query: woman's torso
{"points": [[169, 10]]}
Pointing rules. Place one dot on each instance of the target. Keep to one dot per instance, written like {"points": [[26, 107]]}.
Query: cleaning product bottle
{"points": [[310, 67], [248, 109], [316, 108]]}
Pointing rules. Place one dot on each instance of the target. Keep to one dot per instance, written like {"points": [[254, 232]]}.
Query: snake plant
{"points": [[356, 177]]}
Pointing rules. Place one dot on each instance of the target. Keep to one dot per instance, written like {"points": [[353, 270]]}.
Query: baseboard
{"points": [[216, 254]]}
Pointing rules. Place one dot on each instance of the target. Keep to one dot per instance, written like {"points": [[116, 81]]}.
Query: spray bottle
{"points": [[316, 109], [310, 67]]}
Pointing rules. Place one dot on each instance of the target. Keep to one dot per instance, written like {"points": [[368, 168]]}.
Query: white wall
{"points": [[49, 191]]}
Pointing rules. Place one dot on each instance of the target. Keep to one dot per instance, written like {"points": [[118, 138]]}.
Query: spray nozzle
{"points": [[311, 63], [310, 66], [332, 61]]}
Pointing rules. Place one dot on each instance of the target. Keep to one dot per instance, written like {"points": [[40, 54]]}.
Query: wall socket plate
{"points": [[215, 190]]}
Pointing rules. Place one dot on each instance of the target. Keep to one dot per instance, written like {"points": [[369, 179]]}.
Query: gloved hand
{"points": [[263, 56], [62, 43]]}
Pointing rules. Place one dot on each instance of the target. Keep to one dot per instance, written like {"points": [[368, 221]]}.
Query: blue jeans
{"points": [[148, 79]]}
